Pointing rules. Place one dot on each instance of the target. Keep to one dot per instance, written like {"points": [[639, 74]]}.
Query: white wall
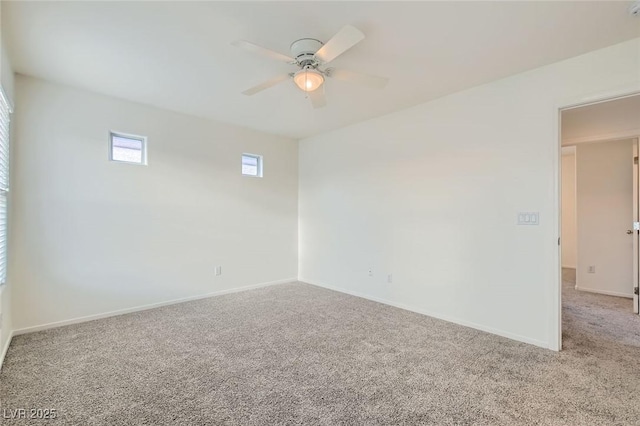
{"points": [[97, 236], [569, 238], [431, 194], [605, 213], [603, 121], [7, 82], [6, 72]]}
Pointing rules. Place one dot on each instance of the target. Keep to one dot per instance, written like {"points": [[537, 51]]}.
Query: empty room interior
{"points": [[372, 212]]}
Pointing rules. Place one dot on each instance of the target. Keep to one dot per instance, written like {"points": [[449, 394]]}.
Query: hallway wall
{"points": [[604, 213], [569, 239]]}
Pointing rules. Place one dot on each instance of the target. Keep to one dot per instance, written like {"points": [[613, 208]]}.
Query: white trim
{"points": [[5, 349], [555, 289], [606, 137], [447, 318], [607, 292], [635, 220], [623, 91], [78, 320]]}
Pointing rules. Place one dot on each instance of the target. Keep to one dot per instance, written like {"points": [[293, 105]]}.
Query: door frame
{"points": [[555, 320], [636, 220]]}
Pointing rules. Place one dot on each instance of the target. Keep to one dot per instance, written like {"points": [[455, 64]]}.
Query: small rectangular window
{"points": [[252, 165], [128, 148]]}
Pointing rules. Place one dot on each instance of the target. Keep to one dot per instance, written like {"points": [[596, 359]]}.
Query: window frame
{"points": [[260, 159], [143, 151]]}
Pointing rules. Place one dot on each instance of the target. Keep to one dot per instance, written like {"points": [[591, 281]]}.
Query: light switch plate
{"points": [[528, 218]]}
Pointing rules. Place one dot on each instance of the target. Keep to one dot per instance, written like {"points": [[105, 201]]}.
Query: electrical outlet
{"points": [[370, 272], [591, 269], [390, 278], [218, 270]]}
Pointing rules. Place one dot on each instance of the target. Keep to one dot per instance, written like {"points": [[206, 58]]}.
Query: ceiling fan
{"points": [[311, 56]]}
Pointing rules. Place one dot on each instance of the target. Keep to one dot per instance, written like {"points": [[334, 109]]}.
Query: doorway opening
{"points": [[599, 220]]}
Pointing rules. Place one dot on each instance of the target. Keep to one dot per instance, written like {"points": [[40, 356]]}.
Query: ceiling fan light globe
{"points": [[308, 80]]}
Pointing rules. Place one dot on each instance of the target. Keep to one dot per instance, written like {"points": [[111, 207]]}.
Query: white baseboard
{"points": [[607, 292], [5, 349], [55, 324], [447, 318]]}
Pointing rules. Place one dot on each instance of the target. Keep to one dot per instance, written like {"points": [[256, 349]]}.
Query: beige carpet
{"points": [[298, 354]]}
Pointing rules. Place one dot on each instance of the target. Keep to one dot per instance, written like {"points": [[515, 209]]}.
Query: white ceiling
{"points": [[177, 55], [605, 120]]}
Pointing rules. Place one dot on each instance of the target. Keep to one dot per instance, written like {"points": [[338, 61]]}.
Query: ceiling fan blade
{"points": [[368, 80], [263, 51], [344, 40], [267, 84], [318, 100]]}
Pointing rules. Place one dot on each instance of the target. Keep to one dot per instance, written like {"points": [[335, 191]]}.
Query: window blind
{"points": [[5, 117], [128, 148], [251, 165]]}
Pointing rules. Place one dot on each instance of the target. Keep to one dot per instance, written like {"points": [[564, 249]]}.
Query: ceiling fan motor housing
{"points": [[303, 51]]}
